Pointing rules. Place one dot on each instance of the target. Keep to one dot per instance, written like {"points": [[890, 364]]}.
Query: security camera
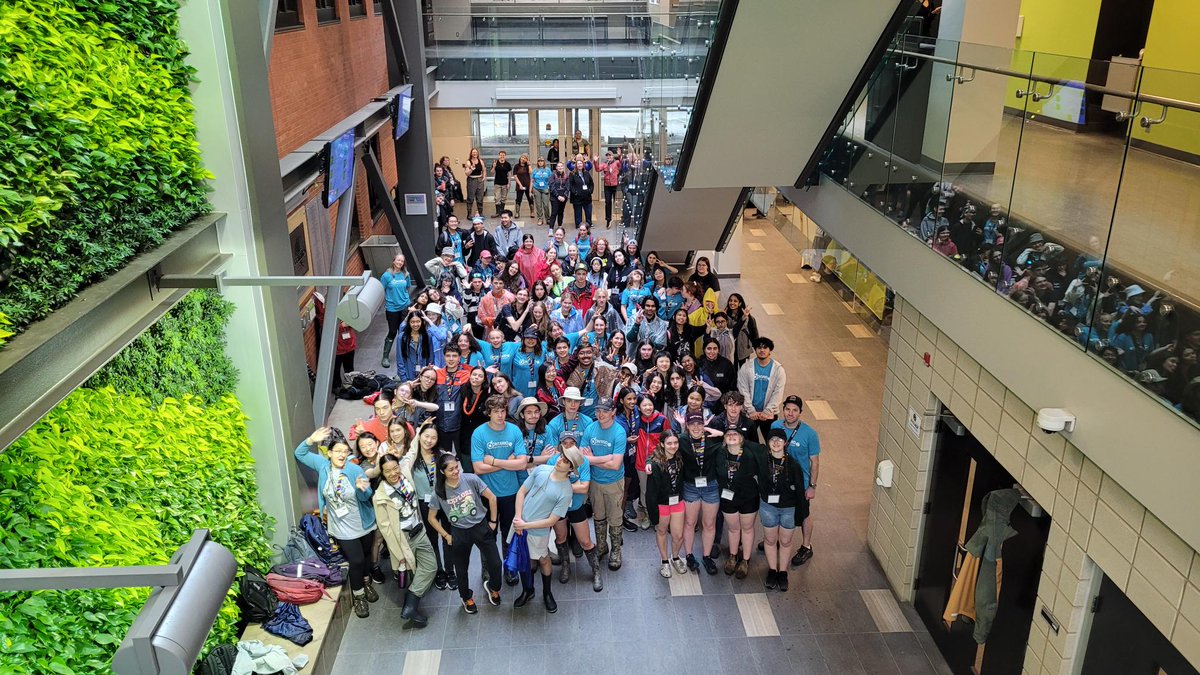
{"points": [[1054, 420]]}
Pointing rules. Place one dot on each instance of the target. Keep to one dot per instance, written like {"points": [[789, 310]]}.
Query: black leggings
{"points": [[393, 320], [358, 554], [462, 541], [342, 363]]}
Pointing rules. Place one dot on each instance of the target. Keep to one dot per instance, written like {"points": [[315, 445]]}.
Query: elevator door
{"points": [[1124, 642], [963, 472]]}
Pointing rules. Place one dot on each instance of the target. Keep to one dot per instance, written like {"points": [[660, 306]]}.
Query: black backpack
{"points": [[255, 597], [219, 661]]}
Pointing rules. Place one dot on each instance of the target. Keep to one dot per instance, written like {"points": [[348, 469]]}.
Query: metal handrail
{"points": [[1054, 81]]}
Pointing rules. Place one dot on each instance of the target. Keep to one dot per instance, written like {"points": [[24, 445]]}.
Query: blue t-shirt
{"points": [[762, 378], [501, 445], [582, 474], [522, 369], [803, 445], [395, 290], [541, 178], [501, 358], [668, 303], [556, 426], [605, 442], [544, 496], [631, 298]]}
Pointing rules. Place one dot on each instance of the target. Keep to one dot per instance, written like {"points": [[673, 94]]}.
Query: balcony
{"points": [[974, 151]]}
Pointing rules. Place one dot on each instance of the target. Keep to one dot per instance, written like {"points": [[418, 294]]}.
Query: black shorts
{"points": [[743, 506], [580, 515], [802, 509]]}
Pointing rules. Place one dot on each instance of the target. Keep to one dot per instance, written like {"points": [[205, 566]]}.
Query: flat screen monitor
{"points": [[339, 167], [403, 114]]}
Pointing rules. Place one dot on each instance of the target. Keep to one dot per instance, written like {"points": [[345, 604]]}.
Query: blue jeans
{"points": [[580, 211], [775, 516], [709, 495]]}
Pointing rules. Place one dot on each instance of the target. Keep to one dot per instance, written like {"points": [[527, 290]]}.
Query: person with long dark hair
{"points": [[344, 501], [781, 504], [424, 451], [460, 496], [664, 489], [743, 326], [701, 490], [398, 512], [414, 350]]}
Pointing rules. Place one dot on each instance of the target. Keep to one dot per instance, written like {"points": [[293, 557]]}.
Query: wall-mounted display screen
{"points": [[339, 167], [403, 113]]}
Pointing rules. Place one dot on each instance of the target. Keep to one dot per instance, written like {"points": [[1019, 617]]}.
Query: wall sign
{"points": [[415, 205], [914, 423]]}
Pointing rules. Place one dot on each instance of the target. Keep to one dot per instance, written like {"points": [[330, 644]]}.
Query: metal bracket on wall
{"points": [[42, 365]]}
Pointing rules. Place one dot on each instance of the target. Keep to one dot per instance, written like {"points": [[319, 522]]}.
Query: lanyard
{"points": [[531, 442], [777, 470]]}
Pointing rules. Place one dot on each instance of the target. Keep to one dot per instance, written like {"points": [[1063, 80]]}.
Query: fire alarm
{"points": [[926, 358]]}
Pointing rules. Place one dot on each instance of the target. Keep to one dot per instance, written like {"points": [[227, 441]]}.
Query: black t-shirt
{"points": [[502, 169]]}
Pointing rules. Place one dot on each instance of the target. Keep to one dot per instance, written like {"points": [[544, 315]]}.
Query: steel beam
{"points": [[41, 366]]}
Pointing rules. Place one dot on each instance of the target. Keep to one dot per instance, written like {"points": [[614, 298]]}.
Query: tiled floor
{"points": [[642, 623]]}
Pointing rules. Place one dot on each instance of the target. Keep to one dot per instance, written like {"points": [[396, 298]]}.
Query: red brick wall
{"points": [[321, 74]]}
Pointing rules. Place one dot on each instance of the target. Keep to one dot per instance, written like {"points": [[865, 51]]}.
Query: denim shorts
{"points": [[774, 516], [709, 495]]}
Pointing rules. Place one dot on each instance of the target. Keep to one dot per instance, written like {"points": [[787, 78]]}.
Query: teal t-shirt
{"points": [[762, 378], [581, 474], [605, 442], [541, 179], [504, 444], [395, 291], [803, 445], [545, 496], [559, 424]]}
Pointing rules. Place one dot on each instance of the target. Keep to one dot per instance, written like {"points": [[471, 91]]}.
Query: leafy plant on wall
{"points": [[112, 478], [184, 352], [100, 159], [109, 479]]}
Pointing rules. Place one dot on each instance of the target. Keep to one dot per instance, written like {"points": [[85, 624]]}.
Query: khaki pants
{"points": [[500, 194], [608, 501], [541, 205]]}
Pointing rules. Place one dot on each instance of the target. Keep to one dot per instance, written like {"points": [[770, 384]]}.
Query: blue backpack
{"points": [[288, 623], [313, 569], [318, 538], [297, 547]]}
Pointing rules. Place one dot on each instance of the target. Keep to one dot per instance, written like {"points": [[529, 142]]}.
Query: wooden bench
{"points": [[328, 618]]}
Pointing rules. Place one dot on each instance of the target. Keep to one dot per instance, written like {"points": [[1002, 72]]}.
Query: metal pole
{"points": [[72, 578], [333, 295]]}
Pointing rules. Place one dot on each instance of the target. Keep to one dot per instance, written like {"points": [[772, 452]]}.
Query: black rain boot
{"points": [[413, 618], [548, 594], [527, 593]]}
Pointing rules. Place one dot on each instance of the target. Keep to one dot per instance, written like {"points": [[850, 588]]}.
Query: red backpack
{"points": [[295, 591]]}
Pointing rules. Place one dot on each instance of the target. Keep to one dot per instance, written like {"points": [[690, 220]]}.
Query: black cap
{"points": [[606, 403], [531, 332], [777, 433], [794, 399]]}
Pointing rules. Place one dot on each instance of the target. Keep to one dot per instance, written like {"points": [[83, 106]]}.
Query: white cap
{"points": [[433, 308]]}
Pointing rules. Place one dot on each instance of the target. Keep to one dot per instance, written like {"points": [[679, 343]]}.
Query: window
{"points": [[373, 197], [358, 8], [378, 7], [504, 129], [287, 15], [618, 128], [326, 11]]}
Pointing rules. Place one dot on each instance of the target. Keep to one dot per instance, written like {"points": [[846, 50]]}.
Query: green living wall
{"points": [[122, 477], [99, 159]]}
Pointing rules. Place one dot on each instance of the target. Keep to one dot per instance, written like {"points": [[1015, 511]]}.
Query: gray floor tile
{"points": [[723, 616], [823, 613], [790, 615], [358, 663], [853, 612], [495, 625], [455, 662], [691, 615], [909, 655], [874, 654], [529, 623], [839, 654], [769, 655]]}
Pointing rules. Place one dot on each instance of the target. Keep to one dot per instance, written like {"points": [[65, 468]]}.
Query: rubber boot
{"points": [[548, 593], [411, 613], [594, 562], [614, 557], [565, 575], [601, 538], [386, 362]]}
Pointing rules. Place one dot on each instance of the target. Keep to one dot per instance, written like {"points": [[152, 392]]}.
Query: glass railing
{"points": [[1097, 233], [588, 43]]}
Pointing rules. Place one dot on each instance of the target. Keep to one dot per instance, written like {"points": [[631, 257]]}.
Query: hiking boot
{"points": [[803, 555], [469, 606], [643, 521], [361, 609], [594, 562], [742, 569], [369, 590], [730, 565]]}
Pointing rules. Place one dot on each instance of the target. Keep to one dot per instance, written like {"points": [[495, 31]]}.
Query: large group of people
{"points": [[1149, 336], [577, 392]]}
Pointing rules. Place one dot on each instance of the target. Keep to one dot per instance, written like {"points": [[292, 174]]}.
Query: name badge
{"points": [[429, 498], [701, 482], [588, 401], [727, 495], [672, 501], [341, 511], [772, 499], [345, 335], [448, 406], [532, 384]]}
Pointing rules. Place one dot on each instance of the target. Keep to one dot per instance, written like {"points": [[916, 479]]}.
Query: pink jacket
{"points": [[612, 172]]}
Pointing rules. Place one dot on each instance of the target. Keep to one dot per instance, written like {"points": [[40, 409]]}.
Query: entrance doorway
{"points": [[1124, 642], [963, 472]]}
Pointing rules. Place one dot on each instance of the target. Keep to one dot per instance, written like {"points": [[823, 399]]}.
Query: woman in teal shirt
{"points": [[396, 284], [541, 191]]}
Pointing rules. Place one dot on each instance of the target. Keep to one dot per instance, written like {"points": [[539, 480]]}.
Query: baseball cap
{"points": [[794, 399], [449, 250], [485, 253], [777, 433], [1150, 377], [630, 367], [694, 418], [572, 393], [433, 308], [606, 403], [564, 435], [477, 219], [530, 332], [476, 275]]}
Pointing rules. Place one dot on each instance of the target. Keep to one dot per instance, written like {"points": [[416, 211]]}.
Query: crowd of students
{"points": [[575, 391], [1151, 337]]}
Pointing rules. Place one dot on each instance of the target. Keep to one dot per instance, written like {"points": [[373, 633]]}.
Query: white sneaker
{"points": [[680, 566], [665, 570]]}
